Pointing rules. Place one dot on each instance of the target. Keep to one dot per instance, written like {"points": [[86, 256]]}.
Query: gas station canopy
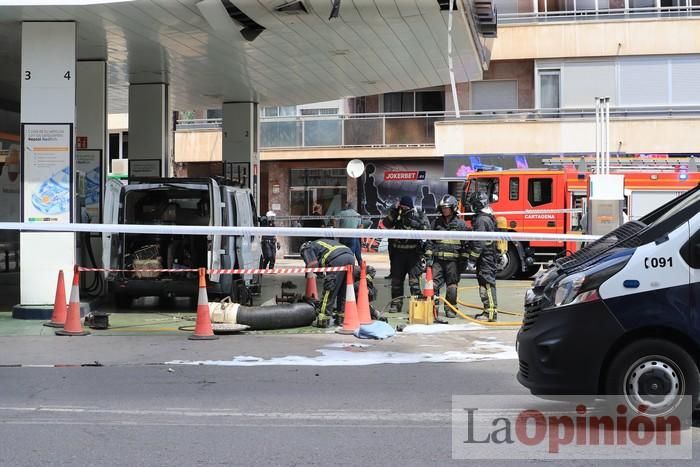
{"points": [[268, 51]]}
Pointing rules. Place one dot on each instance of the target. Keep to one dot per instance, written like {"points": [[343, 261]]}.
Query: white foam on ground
{"points": [[342, 355], [440, 328], [343, 345]]}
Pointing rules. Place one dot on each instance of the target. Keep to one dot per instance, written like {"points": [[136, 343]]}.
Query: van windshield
{"points": [[169, 205]]}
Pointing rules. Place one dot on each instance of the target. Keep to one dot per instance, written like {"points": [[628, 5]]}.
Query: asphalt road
{"points": [[207, 415]]}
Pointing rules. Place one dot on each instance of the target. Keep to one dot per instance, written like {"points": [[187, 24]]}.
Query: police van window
{"points": [[691, 251], [514, 189], [539, 191]]}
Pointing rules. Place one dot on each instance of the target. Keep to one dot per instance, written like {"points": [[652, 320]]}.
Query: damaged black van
{"points": [[179, 201]]}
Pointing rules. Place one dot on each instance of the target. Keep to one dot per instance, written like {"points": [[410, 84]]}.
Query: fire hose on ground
{"points": [[474, 320]]}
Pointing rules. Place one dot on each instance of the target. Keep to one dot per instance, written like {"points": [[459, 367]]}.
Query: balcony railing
{"points": [[407, 129], [600, 14]]}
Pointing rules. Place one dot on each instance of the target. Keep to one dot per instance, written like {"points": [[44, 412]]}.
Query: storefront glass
{"points": [[326, 188], [9, 212]]}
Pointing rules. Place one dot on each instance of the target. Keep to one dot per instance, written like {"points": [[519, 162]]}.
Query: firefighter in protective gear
{"points": [[405, 256], [268, 243], [327, 253], [447, 257], [483, 254]]}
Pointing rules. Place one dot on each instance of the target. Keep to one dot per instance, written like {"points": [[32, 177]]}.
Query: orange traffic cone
{"points": [[72, 327], [202, 328], [350, 319], [428, 289], [58, 317], [311, 289], [363, 297]]}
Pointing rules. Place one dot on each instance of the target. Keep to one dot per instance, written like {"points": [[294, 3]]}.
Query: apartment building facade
{"points": [[536, 101]]}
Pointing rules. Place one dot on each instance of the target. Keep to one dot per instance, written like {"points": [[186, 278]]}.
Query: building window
{"points": [[323, 111], [399, 102], [114, 145], [214, 113], [125, 145], [539, 191], [280, 111], [359, 105], [414, 101], [549, 89], [430, 101], [514, 189]]}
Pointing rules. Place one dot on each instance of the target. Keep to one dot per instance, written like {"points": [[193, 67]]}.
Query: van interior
{"points": [[169, 205]]}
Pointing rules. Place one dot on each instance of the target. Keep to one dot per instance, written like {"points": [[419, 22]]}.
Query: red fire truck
{"points": [[555, 201]]}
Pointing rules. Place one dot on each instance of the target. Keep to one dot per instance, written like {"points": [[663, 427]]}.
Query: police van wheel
{"points": [[655, 374], [509, 264]]}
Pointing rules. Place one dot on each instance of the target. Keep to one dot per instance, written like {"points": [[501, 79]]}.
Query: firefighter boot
{"points": [[396, 305], [322, 321], [451, 297]]}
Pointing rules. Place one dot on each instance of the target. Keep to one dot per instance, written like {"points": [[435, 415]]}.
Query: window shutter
{"points": [[582, 82], [643, 81], [497, 94], [685, 73]]}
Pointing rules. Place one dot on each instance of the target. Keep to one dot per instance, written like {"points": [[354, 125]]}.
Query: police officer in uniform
{"points": [[327, 253], [447, 257], [268, 243], [405, 256], [483, 254]]}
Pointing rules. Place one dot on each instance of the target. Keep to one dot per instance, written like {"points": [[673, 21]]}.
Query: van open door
{"points": [[110, 215], [214, 251], [247, 248]]}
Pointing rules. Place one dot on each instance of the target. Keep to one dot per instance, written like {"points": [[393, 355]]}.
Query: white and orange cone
{"points": [[428, 291], [350, 319], [60, 309], [311, 288], [363, 312], [202, 328], [73, 327]]}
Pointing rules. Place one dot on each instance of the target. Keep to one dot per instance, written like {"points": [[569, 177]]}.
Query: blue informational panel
{"points": [[47, 172]]}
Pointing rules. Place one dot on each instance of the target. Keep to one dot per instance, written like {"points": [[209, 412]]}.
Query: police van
{"points": [[179, 201], [622, 315]]}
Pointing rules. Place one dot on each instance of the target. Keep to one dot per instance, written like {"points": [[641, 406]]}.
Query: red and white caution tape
{"points": [[226, 271], [278, 270], [82, 269]]}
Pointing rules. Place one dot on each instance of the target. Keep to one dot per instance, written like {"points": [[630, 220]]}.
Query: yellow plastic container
{"points": [[420, 310]]}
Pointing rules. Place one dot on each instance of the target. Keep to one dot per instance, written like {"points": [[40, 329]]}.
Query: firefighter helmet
{"points": [[448, 201], [478, 200], [304, 246]]}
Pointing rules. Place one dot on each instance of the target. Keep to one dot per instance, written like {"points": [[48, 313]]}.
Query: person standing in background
{"points": [[316, 220], [349, 218], [269, 243]]}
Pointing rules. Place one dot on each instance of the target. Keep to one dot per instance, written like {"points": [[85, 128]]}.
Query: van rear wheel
{"points": [[655, 374]]}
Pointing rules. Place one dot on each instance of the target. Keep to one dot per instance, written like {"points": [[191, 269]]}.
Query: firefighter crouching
{"points": [[328, 253], [483, 254], [406, 256], [447, 257]]}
